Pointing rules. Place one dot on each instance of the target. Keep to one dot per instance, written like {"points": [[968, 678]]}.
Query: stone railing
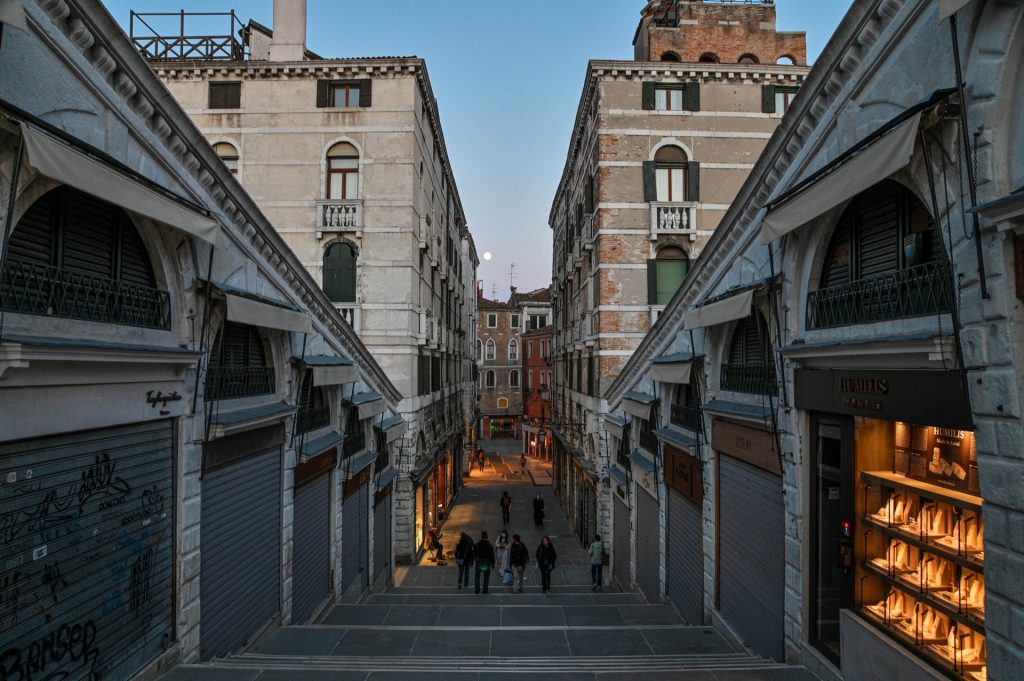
{"points": [[339, 215], [674, 219]]}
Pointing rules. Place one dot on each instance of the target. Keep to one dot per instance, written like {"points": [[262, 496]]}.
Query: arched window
{"points": [[490, 349], [749, 59], [342, 172], [708, 58], [314, 408], [669, 269], [685, 410], [670, 56], [339, 275], [479, 349], [229, 154], [238, 364], [670, 173], [513, 378], [884, 261], [513, 350], [751, 365], [489, 380], [785, 59], [76, 256]]}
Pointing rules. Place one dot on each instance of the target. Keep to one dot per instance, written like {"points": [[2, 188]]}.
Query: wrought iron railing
{"points": [[622, 457], [37, 289], [226, 383], [381, 462], [649, 441], [913, 292], [311, 418], [172, 39], [685, 417], [756, 379], [353, 445]]}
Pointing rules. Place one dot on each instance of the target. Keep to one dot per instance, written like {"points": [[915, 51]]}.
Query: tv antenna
{"points": [[512, 276]]}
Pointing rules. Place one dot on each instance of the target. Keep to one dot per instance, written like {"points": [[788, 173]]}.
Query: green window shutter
{"points": [[323, 93], [768, 99], [691, 97], [647, 100], [650, 185], [670, 274], [365, 91], [693, 181], [652, 282]]}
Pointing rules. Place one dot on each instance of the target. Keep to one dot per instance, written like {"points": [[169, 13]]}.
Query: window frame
{"points": [[513, 374], [514, 321], [490, 379], [490, 350], [492, 320], [230, 92], [513, 350]]}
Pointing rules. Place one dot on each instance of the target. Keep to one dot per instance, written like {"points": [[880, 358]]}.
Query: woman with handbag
{"points": [[464, 555], [546, 557]]}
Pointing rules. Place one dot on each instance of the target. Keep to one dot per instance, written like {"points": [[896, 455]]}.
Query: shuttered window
{"points": [[671, 97], [671, 177], [339, 274], [344, 94], [748, 342], [238, 346], [777, 98], [225, 95], [751, 365], [314, 410]]}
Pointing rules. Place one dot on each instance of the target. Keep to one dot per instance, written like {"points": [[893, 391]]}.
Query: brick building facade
{"points": [[499, 360], [537, 377]]}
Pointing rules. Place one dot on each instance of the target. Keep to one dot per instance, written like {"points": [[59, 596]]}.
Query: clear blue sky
{"points": [[507, 76]]}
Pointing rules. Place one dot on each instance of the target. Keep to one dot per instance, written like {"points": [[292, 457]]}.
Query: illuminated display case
{"points": [[919, 542]]}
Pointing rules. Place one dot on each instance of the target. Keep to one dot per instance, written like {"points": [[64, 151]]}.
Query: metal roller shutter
{"points": [[87, 575], [364, 535], [241, 551], [685, 560], [648, 554], [751, 537], [311, 548], [355, 539], [382, 537], [620, 549]]}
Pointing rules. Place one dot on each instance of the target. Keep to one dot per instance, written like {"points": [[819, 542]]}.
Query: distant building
{"points": [[537, 377], [499, 361]]}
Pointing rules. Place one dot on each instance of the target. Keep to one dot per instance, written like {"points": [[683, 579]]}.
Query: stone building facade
{"points": [[828, 412], [659, 149], [538, 374], [192, 436], [499, 366], [347, 158]]}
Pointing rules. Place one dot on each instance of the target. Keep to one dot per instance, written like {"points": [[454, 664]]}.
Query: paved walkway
{"points": [[424, 627]]}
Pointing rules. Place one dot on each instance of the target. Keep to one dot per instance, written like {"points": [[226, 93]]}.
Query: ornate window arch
{"points": [[491, 351], [228, 153], [750, 362], [490, 379], [513, 350], [343, 174], [513, 378]]}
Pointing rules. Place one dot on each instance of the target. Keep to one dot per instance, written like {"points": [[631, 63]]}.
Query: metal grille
{"points": [[311, 418], [311, 549], [684, 570], [649, 441], [621, 544], [382, 539], [756, 379], [353, 445], [38, 289], [912, 292], [225, 383], [648, 563], [685, 417]]}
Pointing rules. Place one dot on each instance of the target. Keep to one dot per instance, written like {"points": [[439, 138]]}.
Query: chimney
{"points": [[289, 41]]}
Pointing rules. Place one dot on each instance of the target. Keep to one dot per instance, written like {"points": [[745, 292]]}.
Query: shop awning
{"points": [[1006, 212], [60, 161], [720, 312], [393, 428], [320, 445], [619, 476], [12, 13], [738, 410], [948, 8], [328, 370], [267, 315], [674, 368], [369, 404], [638, 404], [676, 437], [614, 424], [853, 172], [357, 463], [642, 459], [387, 478]]}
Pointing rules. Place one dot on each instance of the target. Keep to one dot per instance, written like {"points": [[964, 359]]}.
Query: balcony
{"points": [[674, 219], [755, 379], [588, 231], [622, 457], [353, 445], [350, 313], [339, 215], [685, 417], [381, 462], [913, 292], [37, 289], [312, 418], [227, 383], [649, 441]]}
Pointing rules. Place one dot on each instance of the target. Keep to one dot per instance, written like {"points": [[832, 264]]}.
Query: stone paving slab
{"points": [[519, 643], [592, 615], [382, 642], [470, 616], [648, 614], [413, 615], [686, 641], [311, 675], [470, 643], [599, 642], [356, 614], [196, 673], [301, 641], [538, 616]]}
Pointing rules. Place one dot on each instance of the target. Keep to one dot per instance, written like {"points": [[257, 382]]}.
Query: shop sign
{"points": [[942, 456], [314, 466], [756, 447], [915, 396], [352, 485], [683, 474]]}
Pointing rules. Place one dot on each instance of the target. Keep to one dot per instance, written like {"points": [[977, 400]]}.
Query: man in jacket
{"points": [[518, 557], [484, 562], [596, 562], [538, 510], [465, 553], [506, 506]]}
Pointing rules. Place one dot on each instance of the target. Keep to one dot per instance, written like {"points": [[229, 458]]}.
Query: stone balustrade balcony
{"points": [[339, 215], [674, 219]]}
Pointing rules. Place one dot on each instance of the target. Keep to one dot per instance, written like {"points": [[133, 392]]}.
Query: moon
{"points": [[487, 255]]}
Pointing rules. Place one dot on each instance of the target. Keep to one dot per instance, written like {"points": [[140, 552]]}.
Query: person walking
{"points": [[522, 464], [484, 562], [465, 552], [506, 507], [596, 562], [501, 552], [546, 557], [480, 458], [518, 557], [538, 510]]}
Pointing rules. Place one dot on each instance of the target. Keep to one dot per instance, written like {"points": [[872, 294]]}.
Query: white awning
{"points": [[870, 165], [675, 372], [614, 424], [255, 313], [59, 161], [369, 405], [394, 428], [948, 8], [335, 375], [12, 13], [638, 404], [727, 310]]}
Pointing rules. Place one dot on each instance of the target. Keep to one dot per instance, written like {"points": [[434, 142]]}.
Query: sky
{"points": [[507, 77]]}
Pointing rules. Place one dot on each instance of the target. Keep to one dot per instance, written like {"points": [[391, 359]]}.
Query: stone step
{"points": [[502, 597], [501, 614]]}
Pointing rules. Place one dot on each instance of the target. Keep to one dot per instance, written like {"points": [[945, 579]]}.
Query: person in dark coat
{"points": [[538, 510], [465, 553], [484, 562], [518, 557], [546, 557], [506, 506]]}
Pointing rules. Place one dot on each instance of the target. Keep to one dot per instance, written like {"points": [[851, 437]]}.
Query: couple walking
{"points": [[538, 509], [514, 555]]}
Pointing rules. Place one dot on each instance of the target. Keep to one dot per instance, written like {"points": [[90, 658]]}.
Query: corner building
{"points": [[659, 149]]}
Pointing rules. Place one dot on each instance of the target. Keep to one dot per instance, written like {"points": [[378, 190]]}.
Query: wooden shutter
{"points": [[323, 93], [693, 181], [878, 247], [647, 98], [225, 95], [650, 184], [365, 92], [339, 273], [90, 232], [691, 97], [838, 266], [254, 356], [133, 264], [652, 282], [768, 99], [589, 195], [33, 237]]}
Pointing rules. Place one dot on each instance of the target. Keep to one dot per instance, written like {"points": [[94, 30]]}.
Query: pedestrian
{"points": [[546, 557], [538, 510], [465, 552], [484, 562], [480, 458], [506, 506], [596, 562], [518, 557], [501, 552], [522, 463], [434, 544]]}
